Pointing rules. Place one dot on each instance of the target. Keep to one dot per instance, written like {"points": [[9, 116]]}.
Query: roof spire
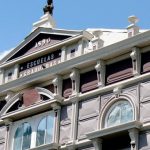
{"points": [[49, 7]]}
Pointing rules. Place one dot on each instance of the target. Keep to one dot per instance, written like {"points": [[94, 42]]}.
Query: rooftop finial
{"points": [[133, 19], [49, 7]]}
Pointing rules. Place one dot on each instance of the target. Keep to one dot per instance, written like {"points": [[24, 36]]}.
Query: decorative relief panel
{"points": [[145, 92], [65, 124], [88, 116]]}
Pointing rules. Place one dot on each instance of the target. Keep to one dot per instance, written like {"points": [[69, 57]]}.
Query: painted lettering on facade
{"points": [[42, 43], [40, 63]]}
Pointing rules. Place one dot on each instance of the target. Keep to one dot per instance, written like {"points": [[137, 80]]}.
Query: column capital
{"points": [[75, 77], [136, 60], [100, 64], [57, 82], [97, 143], [56, 106], [101, 69], [74, 73], [8, 122]]}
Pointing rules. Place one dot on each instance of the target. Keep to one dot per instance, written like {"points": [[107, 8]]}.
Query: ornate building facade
{"points": [[76, 90]]}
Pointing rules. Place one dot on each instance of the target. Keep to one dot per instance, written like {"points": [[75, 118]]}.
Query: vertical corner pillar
{"points": [[63, 54], [136, 61], [56, 107], [1, 76], [75, 79], [97, 143], [57, 82], [101, 69], [134, 135]]}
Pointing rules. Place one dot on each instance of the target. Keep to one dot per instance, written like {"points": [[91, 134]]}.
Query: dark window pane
{"points": [[41, 132], [26, 136], [22, 139], [50, 126]]}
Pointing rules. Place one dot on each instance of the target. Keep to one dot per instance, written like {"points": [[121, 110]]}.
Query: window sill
{"points": [[113, 130], [52, 146]]}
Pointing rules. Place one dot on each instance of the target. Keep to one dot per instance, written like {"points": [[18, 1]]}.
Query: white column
{"points": [[75, 78], [136, 61], [100, 68], [97, 143], [57, 82], [63, 54], [134, 135], [1, 76], [16, 72], [80, 48]]}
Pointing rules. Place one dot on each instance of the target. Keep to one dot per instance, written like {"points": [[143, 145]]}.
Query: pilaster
{"points": [[74, 122], [8, 124], [56, 108]]}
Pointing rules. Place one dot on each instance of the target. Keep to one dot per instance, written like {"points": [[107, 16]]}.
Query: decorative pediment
{"points": [[38, 40]]}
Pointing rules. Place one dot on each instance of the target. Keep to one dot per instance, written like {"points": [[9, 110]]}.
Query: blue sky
{"points": [[17, 16]]}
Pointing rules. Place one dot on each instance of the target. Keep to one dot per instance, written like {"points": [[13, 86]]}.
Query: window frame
{"points": [[109, 110], [34, 122]]}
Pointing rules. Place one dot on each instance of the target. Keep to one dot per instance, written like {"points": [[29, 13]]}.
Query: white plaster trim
{"points": [[45, 92], [114, 130], [31, 110], [51, 146], [10, 103], [117, 48]]}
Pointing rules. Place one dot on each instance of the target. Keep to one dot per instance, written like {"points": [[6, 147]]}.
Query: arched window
{"points": [[22, 138], [119, 113], [45, 130]]}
